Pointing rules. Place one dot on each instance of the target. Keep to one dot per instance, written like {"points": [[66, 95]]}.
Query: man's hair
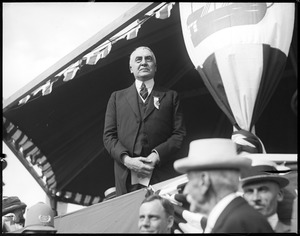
{"points": [[144, 47], [167, 205], [228, 179]]}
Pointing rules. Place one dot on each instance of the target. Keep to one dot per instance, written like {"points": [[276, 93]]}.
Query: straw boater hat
{"points": [[10, 204], [39, 217], [110, 193], [213, 153], [261, 172]]}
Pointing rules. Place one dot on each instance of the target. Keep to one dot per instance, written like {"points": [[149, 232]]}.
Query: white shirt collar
{"points": [[217, 210], [273, 220], [149, 85]]}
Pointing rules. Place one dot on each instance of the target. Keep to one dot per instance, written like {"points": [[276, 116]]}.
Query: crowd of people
{"points": [[39, 218], [230, 194], [143, 131]]}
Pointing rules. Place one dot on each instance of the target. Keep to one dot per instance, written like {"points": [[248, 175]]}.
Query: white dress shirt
{"points": [[273, 220]]}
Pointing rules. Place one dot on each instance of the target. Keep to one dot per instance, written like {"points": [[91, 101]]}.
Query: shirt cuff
{"points": [[153, 150], [121, 156]]}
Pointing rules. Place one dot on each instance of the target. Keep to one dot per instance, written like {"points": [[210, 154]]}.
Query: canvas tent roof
{"points": [[61, 132]]}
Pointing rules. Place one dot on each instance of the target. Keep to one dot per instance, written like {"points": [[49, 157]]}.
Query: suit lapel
{"points": [[131, 96], [151, 107]]}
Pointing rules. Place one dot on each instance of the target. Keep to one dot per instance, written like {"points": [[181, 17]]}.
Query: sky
{"points": [[35, 37]]}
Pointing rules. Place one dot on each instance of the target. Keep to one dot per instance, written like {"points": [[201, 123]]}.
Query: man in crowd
{"points": [[39, 220], [263, 190], [156, 215], [12, 214], [143, 127], [213, 170]]}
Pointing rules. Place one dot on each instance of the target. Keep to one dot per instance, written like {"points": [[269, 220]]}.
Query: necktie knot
{"points": [[144, 91]]}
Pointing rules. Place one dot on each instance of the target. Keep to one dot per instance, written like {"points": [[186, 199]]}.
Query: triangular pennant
{"points": [[92, 59], [24, 100], [70, 74], [133, 33], [164, 12], [46, 89], [100, 52]]}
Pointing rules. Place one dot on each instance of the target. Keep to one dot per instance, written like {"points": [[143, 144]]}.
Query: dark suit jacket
{"points": [[165, 130], [240, 217]]}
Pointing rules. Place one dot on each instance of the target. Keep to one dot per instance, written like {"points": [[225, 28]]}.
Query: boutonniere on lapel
{"points": [[156, 102]]}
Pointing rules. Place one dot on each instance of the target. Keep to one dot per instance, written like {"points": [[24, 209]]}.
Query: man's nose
{"points": [[144, 61], [255, 195], [145, 221]]}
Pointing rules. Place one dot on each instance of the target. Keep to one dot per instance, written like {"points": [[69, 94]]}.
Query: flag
{"points": [[70, 74], [100, 52], [164, 12], [46, 89], [24, 100], [71, 71], [133, 33]]}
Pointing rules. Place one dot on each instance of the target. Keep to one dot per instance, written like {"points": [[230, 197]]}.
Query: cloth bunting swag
{"points": [[240, 51]]}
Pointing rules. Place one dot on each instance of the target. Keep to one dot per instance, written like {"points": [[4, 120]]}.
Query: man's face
{"points": [[196, 193], [142, 64], [19, 216], [264, 196], [153, 219]]}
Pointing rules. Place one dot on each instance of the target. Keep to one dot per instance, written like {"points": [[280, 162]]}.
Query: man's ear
{"points": [[170, 221], [130, 68], [205, 182], [280, 195]]}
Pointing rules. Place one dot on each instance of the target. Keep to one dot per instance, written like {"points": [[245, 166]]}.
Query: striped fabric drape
{"points": [[240, 51]]}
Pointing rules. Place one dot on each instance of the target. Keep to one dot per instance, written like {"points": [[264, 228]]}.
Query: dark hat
{"points": [[261, 173], [3, 161], [10, 204]]}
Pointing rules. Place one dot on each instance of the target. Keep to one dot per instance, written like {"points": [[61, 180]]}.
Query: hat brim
{"points": [[39, 228], [188, 164], [281, 181], [13, 208]]}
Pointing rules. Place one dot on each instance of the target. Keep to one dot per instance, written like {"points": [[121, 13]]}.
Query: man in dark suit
{"points": [[213, 170], [143, 127]]}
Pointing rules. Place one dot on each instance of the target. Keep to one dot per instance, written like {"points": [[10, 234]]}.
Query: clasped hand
{"points": [[143, 166]]}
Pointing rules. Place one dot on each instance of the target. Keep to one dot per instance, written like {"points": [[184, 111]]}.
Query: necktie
{"points": [[203, 222], [144, 91]]}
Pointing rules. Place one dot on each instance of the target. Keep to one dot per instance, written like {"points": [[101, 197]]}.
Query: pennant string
{"points": [[101, 51]]}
